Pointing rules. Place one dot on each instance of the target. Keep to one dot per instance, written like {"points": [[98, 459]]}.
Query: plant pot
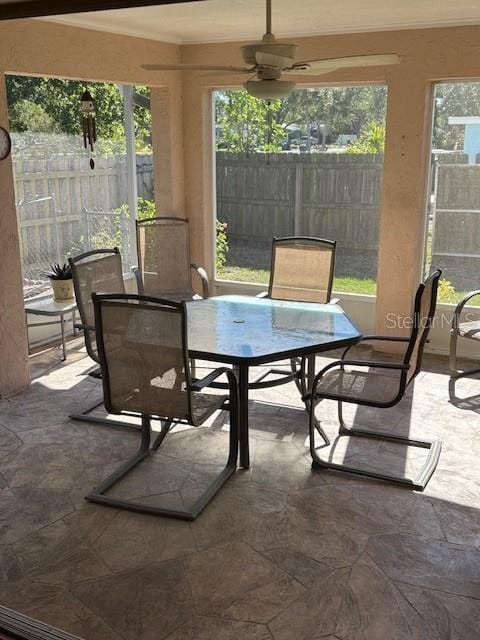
{"points": [[62, 290]]}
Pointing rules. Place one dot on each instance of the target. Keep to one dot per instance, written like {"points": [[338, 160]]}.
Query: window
{"points": [[63, 206], [453, 229], [310, 165]]}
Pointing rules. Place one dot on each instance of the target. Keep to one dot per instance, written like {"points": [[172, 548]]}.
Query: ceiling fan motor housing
{"points": [[284, 51]]}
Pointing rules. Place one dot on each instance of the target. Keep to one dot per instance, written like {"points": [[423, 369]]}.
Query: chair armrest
{"points": [[263, 294], [203, 277], [460, 305], [354, 363], [84, 327], [138, 278], [198, 385]]}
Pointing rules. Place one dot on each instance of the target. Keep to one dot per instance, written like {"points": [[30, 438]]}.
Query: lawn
{"points": [[261, 276], [347, 284]]}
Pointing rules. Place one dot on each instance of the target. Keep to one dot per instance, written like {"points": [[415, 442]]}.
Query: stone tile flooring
{"points": [[282, 553]]}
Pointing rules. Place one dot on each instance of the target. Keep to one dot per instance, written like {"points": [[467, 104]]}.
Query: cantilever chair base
{"points": [[143, 452], [468, 331], [86, 416], [419, 483], [338, 381]]}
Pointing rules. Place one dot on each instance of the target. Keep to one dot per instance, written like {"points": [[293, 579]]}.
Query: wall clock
{"points": [[5, 143]]}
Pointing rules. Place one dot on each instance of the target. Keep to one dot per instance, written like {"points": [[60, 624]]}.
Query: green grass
{"points": [[347, 284]]}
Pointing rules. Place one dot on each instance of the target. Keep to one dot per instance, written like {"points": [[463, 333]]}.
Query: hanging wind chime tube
{"points": [[89, 127]]}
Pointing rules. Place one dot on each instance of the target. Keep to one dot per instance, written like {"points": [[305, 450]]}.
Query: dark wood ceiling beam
{"points": [[13, 9]]}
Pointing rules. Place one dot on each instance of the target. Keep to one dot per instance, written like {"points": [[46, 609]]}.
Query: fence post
{"points": [[86, 230], [55, 231], [298, 202]]}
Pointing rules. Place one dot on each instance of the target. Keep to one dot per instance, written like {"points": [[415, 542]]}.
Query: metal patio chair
{"points": [[302, 270], [361, 382], [142, 345], [468, 330], [99, 270], [164, 265]]}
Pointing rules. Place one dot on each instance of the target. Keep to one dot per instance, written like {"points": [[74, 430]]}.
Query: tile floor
{"points": [[282, 553]]}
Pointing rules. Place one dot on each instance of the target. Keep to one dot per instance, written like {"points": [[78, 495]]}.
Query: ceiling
{"points": [[224, 20]]}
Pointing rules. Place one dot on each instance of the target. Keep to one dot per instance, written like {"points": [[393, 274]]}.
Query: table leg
{"points": [[310, 372], [243, 415], [62, 328]]}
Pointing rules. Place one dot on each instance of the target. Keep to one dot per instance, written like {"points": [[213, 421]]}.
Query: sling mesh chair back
{"points": [[379, 384], [302, 269], [145, 371], [164, 265], [98, 271]]}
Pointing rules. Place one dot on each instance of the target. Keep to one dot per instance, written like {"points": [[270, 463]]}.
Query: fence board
{"points": [[324, 195], [54, 228]]}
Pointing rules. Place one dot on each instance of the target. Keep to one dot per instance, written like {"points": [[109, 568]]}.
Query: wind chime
{"points": [[89, 127]]}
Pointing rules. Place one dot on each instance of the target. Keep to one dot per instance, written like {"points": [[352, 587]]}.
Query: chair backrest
{"points": [[163, 246], [423, 314], [142, 344], [97, 271], [302, 269]]}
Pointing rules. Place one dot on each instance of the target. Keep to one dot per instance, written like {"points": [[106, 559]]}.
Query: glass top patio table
{"points": [[245, 330]]}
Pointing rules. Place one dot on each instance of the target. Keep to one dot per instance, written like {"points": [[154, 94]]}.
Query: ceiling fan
{"points": [[268, 59]]}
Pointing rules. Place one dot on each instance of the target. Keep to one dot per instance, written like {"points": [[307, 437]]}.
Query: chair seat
{"points": [[204, 404], [362, 386], [180, 296], [469, 330], [159, 403]]}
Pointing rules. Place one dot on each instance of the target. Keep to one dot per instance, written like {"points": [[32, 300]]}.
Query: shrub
{"points": [[446, 291], [146, 208], [222, 245]]}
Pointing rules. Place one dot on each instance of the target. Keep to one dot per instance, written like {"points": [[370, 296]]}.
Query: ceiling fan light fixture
{"points": [[269, 89]]}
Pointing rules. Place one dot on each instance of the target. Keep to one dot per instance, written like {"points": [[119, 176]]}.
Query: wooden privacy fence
{"points": [[53, 196], [455, 225], [335, 196]]}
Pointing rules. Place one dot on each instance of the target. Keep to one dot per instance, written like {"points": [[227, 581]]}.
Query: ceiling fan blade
{"points": [[265, 59], [223, 72], [194, 67], [312, 67]]}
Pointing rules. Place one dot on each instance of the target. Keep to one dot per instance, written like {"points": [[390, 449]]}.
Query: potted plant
{"points": [[62, 284]]}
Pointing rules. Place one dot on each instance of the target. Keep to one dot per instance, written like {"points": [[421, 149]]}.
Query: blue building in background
{"points": [[471, 141]]}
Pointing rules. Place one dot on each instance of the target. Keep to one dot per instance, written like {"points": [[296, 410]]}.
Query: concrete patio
{"points": [[281, 553]]}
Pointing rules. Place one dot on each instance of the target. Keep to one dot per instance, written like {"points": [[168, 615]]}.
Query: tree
{"points": [[370, 140], [242, 120], [342, 109], [60, 100], [247, 124], [28, 116], [453, 99]]}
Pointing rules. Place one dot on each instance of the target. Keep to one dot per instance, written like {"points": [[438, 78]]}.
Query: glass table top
{"points": [[257, 330], [50, 307]]}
